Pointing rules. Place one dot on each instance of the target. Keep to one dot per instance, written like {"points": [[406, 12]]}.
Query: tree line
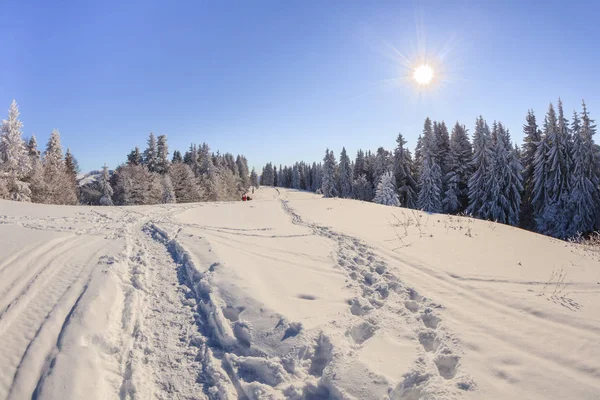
{"points": [[148, 177], [549, 184]]}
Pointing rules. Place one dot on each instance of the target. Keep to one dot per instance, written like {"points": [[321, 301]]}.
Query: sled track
{"points": [[378, 289]]}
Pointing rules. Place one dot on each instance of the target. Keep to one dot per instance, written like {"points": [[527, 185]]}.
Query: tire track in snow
{"points": [[437, 371]]}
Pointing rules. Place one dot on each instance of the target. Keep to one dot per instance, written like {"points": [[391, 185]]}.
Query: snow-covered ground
{"points": [[290, 296]]}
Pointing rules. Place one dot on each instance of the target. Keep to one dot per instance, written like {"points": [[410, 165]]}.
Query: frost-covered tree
{"points": [[418, 164], [482, 164], [268, 177], [14, 156], [207, 174], [317, 176], [32, 149], [328, 180], [442, 146], [184, 183], [135, 157], [584, 200], [382, 163], [345, 175], [456, 197], [168, 192], [552, 220], [504, 185], [192, 159], [254, 178], [177, 158], [386, 191], [362, 188], [243, 172], [58, 185], [134, 184], [105, 188], [295, 177], [405, 184], [531, 139], [430, 193], [150, 154], [162, 155], [72, 169]]}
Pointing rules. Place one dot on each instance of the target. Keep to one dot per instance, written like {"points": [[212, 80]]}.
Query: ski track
{"points": [[175, 339]]}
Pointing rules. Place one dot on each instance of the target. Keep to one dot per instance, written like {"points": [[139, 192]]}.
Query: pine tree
{"points": [[382, 163], [184, 183], [505, 183], [242, 166], [584, 199], [134, 157], [456, 197], [552, 220], [72, 168], [254, 178], [386, 191], [479, 182], [177, 158], [32, 149], [345, 175], [405, 183], [531, 140], [328, 184], [168, 192], [295, 177], [162, 155], [430, 194], [58, 187], [418, 164], [150, 154], [317, 177], [362, 188], [207, 174], [275, 182], [105, 188], [14, 155]]}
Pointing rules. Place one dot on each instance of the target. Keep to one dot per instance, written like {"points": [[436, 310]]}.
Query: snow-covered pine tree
{"points": [[168, 192], [295, 176], [105, 188], [135, 157], [442, 150], [418, 164], [482, 164], [552, 220], [162, 155], [207, 174], [362, 188], [405, 183], [14, 155], [328, 183], [359, 164], [243, 172], [177, 158], [584, 199], [456, 197], [184, 183], [318, 176], [383, 163], [72, 169], [275, 177], [504, 201], [345, 175], [531, 139], [386, 191], [32, 149], [254, 178], [430, 193], [150, 154], [58, 187]]}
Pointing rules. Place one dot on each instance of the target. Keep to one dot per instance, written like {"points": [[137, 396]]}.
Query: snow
{"points": [[290, 296]]}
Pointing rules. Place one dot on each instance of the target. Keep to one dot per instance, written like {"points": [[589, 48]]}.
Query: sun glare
{"points": [[423, 74]]}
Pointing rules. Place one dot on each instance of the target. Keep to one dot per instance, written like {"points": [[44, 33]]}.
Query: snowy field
{"points": [[290, 296]]}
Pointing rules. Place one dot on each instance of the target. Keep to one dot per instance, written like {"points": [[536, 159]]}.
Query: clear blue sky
{"points": [[282, 80]]}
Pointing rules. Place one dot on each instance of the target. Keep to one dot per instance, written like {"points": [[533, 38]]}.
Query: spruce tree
{"points": [[14, 155], [150, 154], [105, 188], [362, 188], [328, 184], [430, 193], [532, 137], [345, 175], [135, 157], [584, 199], [168, 192], [404, 181], [456, 197], [481, 163], [162, 155], [386, 191], [177, 158], [254, 178]]}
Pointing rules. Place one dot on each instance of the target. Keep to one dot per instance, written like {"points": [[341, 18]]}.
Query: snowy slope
{"points": [[290, 296]]}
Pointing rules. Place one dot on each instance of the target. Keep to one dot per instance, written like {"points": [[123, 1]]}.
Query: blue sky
{"points": [[282, 80]]}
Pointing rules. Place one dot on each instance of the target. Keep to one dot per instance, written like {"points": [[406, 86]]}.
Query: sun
{"points": [[423, 75]]}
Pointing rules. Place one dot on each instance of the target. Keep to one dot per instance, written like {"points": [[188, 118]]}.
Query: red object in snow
{"points": [[244, 198]]}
